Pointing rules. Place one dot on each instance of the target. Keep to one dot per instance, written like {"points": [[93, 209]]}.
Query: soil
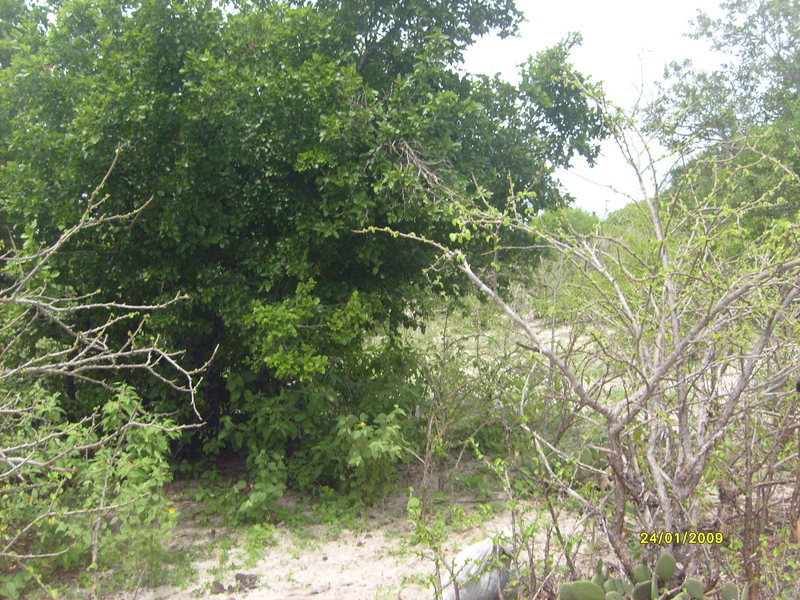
{"points": [[374, 561]]}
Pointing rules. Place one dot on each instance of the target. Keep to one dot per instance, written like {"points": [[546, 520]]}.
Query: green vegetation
{"points": [[265, 136], [646, 585], [291, 247]]}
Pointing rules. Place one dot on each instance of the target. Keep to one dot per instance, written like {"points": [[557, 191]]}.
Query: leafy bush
{"points": [[306, 435], [374, 448], [87, 491], [83, 466]]}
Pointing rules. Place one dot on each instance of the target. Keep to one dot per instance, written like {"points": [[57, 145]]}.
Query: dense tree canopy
{"points": [[266, 133]]}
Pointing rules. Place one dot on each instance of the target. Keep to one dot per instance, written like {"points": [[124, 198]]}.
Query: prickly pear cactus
{"points": [[642, 573], [600, 573], [647, 584], [641, 591], [581, 590], [565, 592], [666, 567], [694, 588], [622, 587]]}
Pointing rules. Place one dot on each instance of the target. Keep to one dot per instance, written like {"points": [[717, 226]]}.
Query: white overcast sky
{"points": [[626, 44]]}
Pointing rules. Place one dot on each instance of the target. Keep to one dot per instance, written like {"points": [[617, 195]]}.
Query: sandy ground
{"points": [[356, 566], [376, 562]]}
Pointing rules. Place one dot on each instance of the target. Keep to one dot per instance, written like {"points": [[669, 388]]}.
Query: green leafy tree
{"points": [[757, 83], [265, 135], [745, 114]]}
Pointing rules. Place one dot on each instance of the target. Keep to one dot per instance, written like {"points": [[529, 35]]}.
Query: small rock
{"points": [[246, 581], [217, 588]]}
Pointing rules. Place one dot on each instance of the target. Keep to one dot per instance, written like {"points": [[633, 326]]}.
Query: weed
{"points": [[257, 537]]}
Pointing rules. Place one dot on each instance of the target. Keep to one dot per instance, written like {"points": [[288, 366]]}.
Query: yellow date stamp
{"points": [[661, 538]]}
